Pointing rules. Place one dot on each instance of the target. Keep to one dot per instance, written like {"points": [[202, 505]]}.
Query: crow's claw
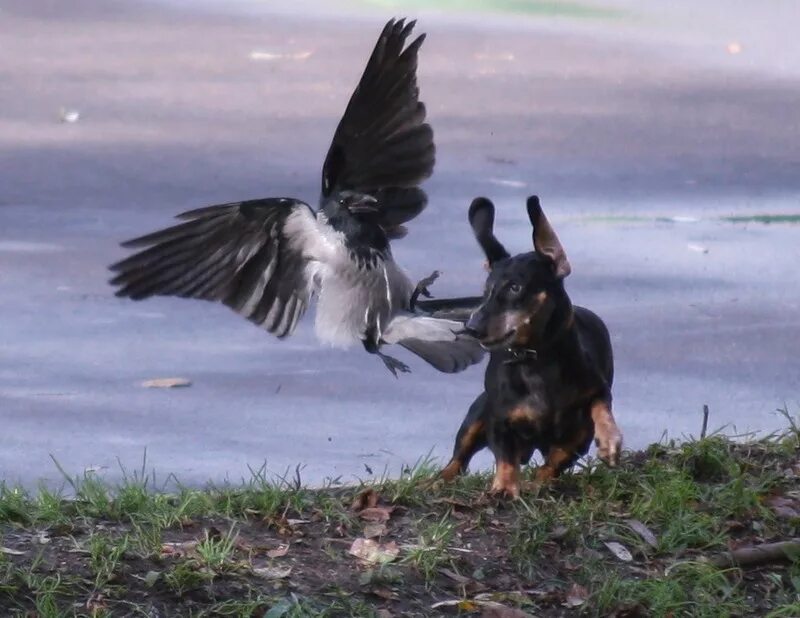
{"points": [[422, 288], [394, 365]]}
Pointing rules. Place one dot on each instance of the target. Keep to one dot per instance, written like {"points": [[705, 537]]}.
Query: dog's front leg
{"points": [[607, 435], [470, 439], [506, 478]]}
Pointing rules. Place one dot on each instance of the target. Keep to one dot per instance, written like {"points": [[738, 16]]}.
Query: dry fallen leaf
{"points": [[96, 603], [373, 552], [382, 592], [269, 572], [151, 577], [576, 596], [619, 550], [68, 115], [11, 552], [265, 55], [502, 611], [373, 530], [784, 508], [167, 383], [459, 579], [278, 552], [643, 531], [365, 499], [179, 550], [461, 604], [377, 514]]}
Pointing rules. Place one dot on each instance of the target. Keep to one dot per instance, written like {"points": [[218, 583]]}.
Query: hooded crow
{"points": [[268, 258]]}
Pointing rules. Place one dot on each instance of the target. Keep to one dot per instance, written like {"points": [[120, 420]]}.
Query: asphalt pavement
{"points": [[643, 137]]}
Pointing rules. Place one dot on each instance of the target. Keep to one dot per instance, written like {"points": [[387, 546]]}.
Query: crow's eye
{"points": [[515, 288]]}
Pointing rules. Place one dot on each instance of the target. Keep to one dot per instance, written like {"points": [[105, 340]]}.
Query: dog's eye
{"points": [[515, 288]]}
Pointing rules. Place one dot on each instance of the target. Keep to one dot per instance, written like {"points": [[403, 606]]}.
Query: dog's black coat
{"points": [[551, 368]]}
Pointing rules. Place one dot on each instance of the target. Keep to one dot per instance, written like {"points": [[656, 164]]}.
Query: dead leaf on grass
{"points": [[503, 611], [278, 551], [96, 604], [459, 579], [11, 552], [167, 383], [365, 499], [453, 502], [151, 578], [269, 572], [643, 531], [377, 514], [463, 605], [382, 592], [179, 550], [373, 552], [784, 508], [619, 550], [577, 595], [373, 530]]}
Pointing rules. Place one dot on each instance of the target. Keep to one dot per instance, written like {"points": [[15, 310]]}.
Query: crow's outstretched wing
{"points": [[459, 309], [383, 146], [251, 256]]}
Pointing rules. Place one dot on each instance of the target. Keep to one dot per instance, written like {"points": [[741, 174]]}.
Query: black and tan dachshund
{"points": [[548, 382]]}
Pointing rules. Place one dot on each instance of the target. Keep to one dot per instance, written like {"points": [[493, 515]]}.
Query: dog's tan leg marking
{"points": [[549, 470], [506, 479], [607, 435], [466, 448]]}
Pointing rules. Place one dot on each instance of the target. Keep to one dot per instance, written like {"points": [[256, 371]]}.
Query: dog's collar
{"points": [[521, 355]]}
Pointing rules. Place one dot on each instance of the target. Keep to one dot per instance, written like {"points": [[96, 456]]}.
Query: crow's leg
{"points": [[372, 345], [422, 289]]}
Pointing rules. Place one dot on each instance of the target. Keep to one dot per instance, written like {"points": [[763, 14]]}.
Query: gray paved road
{"points": [[615, 123]]}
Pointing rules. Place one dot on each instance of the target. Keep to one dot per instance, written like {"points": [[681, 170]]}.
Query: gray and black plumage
{"points": [[267, 258]]}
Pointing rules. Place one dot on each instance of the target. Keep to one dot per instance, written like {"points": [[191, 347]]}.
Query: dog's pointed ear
{"points": [[481, 218], [545, 240]]}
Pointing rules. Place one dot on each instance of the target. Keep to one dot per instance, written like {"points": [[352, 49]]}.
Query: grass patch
{"points": [[632, 541], [542, 8], [767, 219]]}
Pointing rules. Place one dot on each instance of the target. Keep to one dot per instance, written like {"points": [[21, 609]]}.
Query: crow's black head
{"points": [[357, 216]]}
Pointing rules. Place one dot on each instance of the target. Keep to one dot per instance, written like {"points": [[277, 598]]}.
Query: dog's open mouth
{"points": [[500, 342]]}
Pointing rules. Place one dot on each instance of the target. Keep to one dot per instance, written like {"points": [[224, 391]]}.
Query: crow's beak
{"points": [[365, 204]]}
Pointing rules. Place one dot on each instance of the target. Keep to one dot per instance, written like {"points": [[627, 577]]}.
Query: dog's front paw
{"points": [[450, 471], [506, 481], [509, 491], [609, 444]]}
